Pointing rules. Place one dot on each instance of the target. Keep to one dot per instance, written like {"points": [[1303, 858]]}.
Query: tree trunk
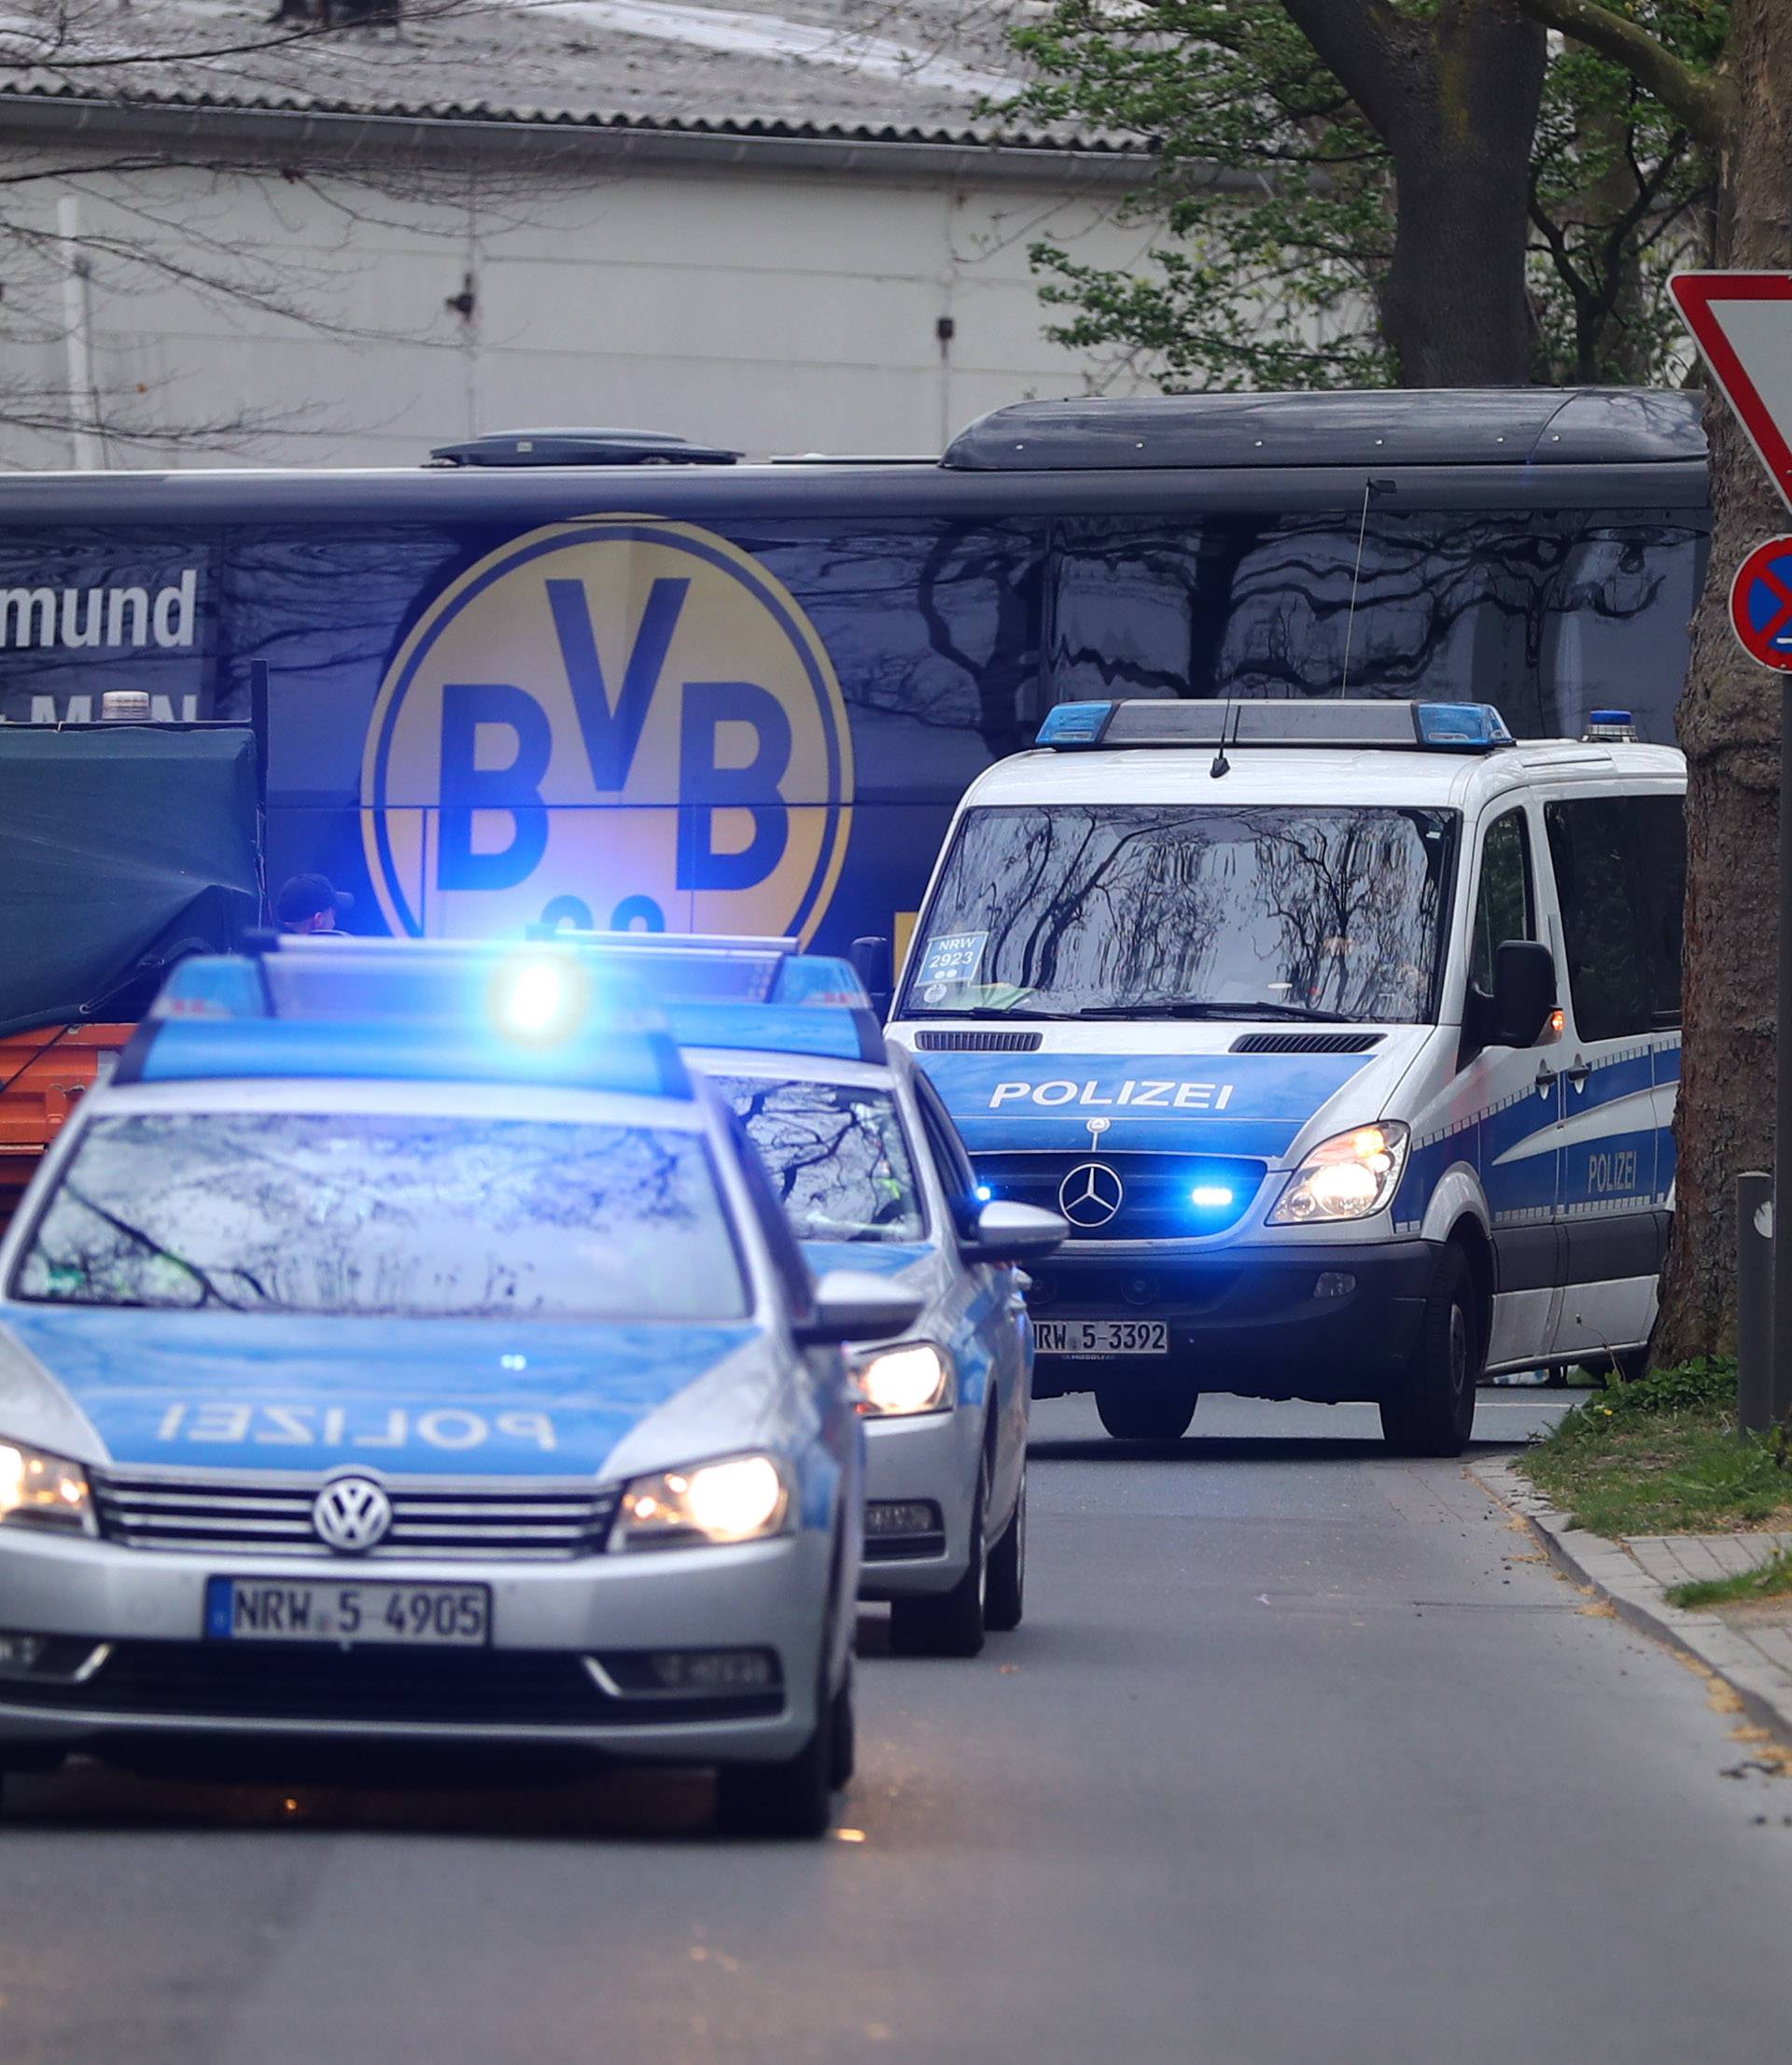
{"points": [[1728, 726], [1455, 98]]}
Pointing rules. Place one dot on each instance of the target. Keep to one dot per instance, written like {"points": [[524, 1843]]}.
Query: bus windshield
{"points": [[1256, 911]]}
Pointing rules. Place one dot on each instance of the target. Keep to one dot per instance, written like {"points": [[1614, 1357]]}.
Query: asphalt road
{"points": [[1299, 1756]]}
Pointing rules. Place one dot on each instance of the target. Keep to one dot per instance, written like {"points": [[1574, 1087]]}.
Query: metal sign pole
{"points": [[1782, 1395]]}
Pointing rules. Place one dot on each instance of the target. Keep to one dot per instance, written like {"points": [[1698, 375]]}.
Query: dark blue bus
{"points": [[619, 680]]}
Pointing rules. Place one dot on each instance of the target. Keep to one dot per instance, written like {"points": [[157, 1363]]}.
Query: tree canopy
{"points": [[1289, 138]]}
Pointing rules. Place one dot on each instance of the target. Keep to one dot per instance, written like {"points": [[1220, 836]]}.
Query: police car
{"points": [[1344, 1034], [403, 1350], [867, 1163]]}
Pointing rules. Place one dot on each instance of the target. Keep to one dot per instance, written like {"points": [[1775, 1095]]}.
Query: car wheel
{"points": [[951, 1623], [1434, 1414], [1152, 1413], [794, 1797], [843, 1735], [1006, 1596]]}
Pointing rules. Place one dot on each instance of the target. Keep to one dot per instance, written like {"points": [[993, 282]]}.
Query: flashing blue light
{"points": [[1461, 727], [1209, 1197], [534, 999], [1611, 717], [983, 1193], [1075, 724]]}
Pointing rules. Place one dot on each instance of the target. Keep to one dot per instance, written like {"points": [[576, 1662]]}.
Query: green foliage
{"points": [[1771, 1579], [1662, 1456], [1277, 198], [1272, 191]]}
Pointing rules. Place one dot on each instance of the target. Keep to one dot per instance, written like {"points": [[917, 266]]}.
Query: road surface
{"points": [[1301, 1755]]}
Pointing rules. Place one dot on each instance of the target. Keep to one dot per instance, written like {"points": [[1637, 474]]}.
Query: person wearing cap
{"points": [[311, 903]]}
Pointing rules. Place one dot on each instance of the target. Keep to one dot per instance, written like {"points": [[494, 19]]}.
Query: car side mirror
{"points": [[1524, 993], [875, 966], [852, 1304], [1007, 1232]]}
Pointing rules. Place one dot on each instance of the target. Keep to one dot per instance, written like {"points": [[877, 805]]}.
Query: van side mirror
{"points": [[854, 1305], [1524, 993], [1003, 1232], [875, 967]]}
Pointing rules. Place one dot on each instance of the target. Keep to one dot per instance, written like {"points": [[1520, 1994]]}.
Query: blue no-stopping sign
{"points": [[1760, 604]]}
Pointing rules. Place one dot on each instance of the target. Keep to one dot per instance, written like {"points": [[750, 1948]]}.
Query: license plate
{"points": [[1101, 1337], [406, 1616]]}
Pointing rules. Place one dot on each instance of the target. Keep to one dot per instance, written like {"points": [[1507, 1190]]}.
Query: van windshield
{"points": [[1253, 911]]}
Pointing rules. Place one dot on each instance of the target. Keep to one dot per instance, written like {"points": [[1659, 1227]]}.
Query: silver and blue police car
{"points": [[869, 1167], [402, 1351]]}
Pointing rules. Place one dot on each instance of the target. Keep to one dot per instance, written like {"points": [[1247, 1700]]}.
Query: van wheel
{"points": [[1135, 1414], [1433, 1411], [1006, 1597], [950, 1623]]}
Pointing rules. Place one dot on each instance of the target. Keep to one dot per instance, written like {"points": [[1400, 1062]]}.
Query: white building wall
{"points": [[769, 310]]}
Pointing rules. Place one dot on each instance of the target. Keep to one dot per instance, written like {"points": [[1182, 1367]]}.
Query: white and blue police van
{"points": [[405, 1355], [1345, 1035]]}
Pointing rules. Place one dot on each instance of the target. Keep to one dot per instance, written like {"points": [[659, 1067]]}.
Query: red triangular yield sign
{"points": [[1742, 323]]}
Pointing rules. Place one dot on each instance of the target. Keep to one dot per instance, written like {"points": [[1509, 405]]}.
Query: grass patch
{"points": [[1771, 1579], [1662, 1456]]}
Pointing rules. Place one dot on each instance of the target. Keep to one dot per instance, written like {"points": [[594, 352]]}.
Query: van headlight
{"points": [[42, 1490], [736, 1498], [1350, 1176], [913, 1377]]}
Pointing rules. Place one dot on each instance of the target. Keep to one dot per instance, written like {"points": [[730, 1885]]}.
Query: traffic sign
{"points": [[1742, 323], [1760, 604]]}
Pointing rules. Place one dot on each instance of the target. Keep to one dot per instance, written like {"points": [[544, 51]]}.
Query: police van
{"points": [[1345, 1035]]}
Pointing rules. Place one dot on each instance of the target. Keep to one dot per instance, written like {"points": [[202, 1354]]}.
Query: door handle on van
{"points": [[1580, 1073], [1545, 1075]]}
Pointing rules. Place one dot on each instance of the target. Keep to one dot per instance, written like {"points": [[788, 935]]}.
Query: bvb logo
{"points": [[619, 723]]}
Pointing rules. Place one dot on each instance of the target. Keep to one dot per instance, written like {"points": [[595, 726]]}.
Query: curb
{"points": [[1612, 1575]]}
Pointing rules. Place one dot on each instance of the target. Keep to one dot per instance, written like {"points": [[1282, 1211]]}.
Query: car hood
{"points": [[460, 1397], [1191, 1100], [902, 1258]]}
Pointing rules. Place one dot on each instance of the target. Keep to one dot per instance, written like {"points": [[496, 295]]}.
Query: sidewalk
{"points": [[1748, 1646]]}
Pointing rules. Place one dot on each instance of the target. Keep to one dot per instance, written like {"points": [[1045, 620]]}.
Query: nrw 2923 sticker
{"points": [[617, 723]]}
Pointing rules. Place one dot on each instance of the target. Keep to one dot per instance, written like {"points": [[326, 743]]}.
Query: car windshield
{"points": [[1251, 911], [291, 1212], [836, 1156]]}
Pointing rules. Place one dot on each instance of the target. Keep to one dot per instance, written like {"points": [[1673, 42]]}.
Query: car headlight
{"points": [[1349, 1176], [44, 1490], [914, 1376], [737, 1498]]}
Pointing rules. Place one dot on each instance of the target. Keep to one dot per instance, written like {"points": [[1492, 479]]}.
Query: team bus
{"points": [[617, 681]]}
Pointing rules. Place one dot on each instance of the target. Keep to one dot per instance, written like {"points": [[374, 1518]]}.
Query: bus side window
{"points": [[1506, 902]]}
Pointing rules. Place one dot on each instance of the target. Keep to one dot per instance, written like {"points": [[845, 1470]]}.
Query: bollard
{"points": [[1754, 1373]]}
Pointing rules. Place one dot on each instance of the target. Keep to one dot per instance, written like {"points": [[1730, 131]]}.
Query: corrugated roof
{"points": [[931, 72]]}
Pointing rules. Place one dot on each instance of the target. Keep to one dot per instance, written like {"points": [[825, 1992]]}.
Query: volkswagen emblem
{"points": [[1090, 1195], [351, 1514]]}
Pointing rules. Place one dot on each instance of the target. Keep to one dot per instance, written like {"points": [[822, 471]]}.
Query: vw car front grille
{"points": [[271, 1515]]}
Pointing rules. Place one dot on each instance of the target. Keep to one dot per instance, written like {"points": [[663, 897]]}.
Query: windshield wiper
{"points": [[993, 1011], [1203, 1007]]}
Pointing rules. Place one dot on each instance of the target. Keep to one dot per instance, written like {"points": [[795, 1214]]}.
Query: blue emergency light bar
{"points": [[841, 1033], [1385, 726], [395, 1009], [712, 967]]}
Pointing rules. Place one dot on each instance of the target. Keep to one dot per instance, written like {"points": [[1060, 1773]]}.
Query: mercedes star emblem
{"points": [[1090, 1195], [351, 1514]]}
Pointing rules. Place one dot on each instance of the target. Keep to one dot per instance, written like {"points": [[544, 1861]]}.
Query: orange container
{"points": [[42, 1083]]}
